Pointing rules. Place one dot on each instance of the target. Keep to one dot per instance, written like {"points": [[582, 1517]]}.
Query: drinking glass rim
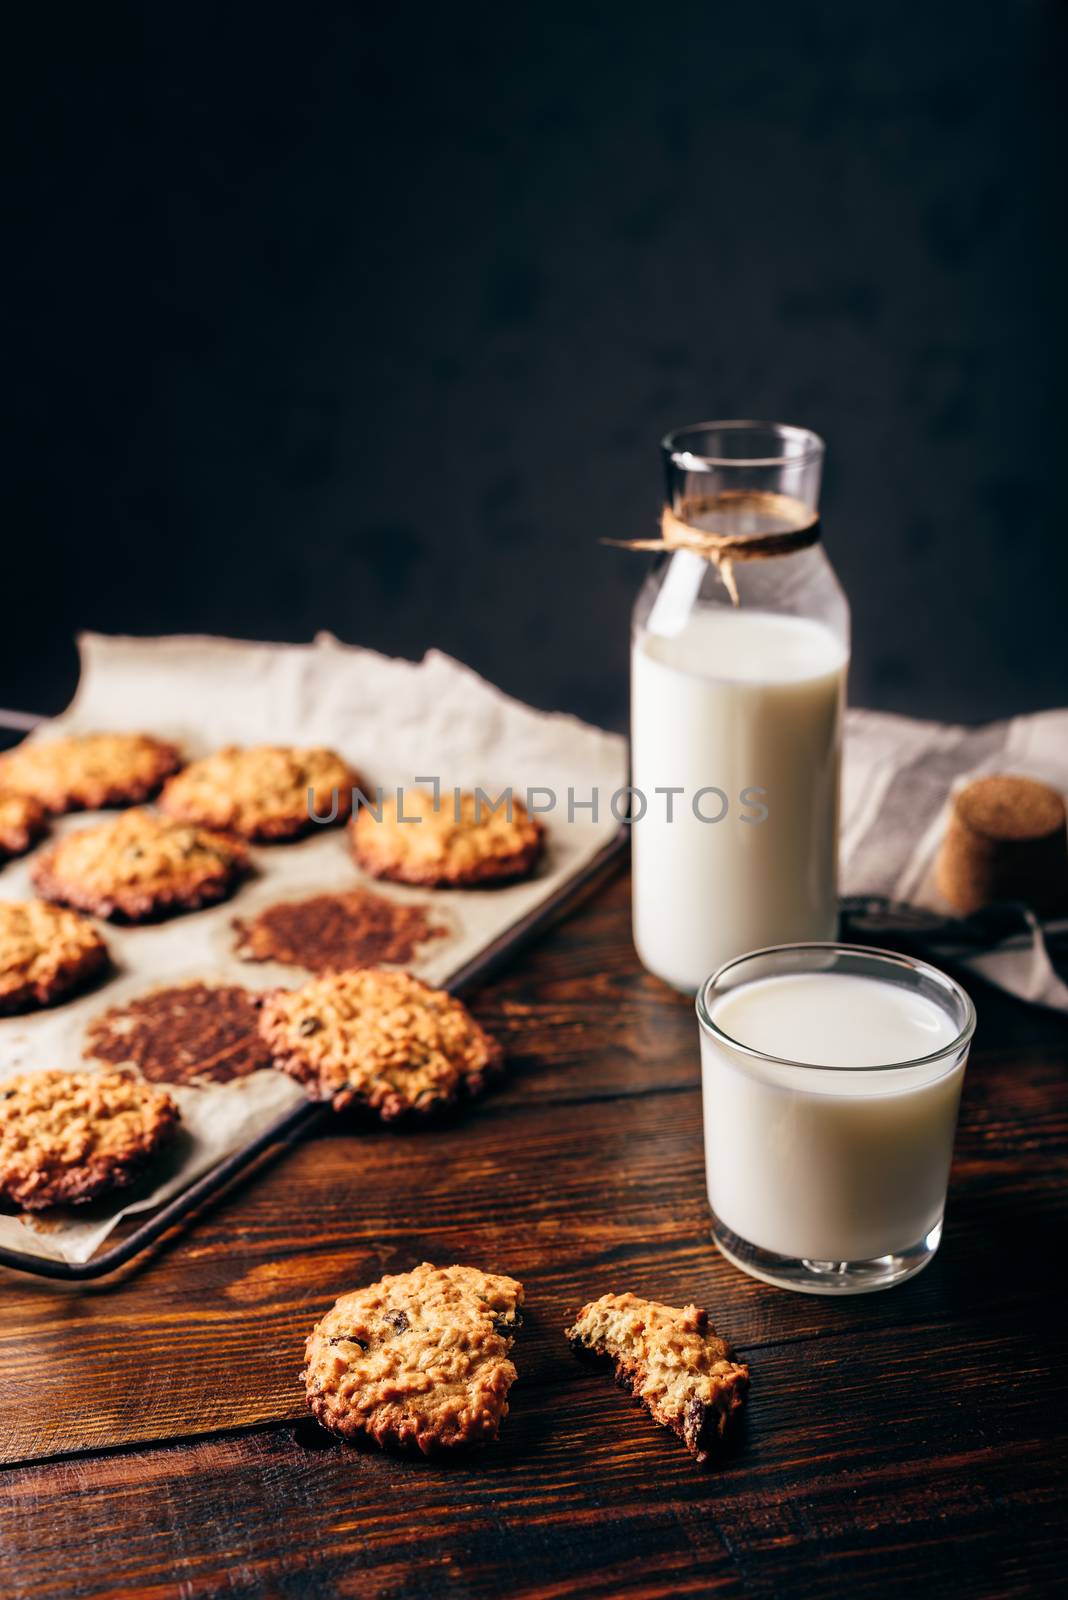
{"points": [[698, 461], [872, 952]]}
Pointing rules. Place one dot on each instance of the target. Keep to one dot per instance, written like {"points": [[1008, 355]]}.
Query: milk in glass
{"points": [[834, 1143]]}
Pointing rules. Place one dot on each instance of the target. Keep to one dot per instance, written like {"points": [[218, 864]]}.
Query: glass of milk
{"points": [[831, 1076], [736, 712]]}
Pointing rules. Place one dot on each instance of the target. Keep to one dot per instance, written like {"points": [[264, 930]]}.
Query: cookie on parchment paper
{"points": [[66, 1137], [672, 1360], [23, 820], [89, 771], [455, 843], [417, 1359], [378, 1038], [139, 867], [45, 952], [262, 792]]}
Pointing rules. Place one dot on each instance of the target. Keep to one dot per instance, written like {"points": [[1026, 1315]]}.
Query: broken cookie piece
{"points": [[672, 1360]]}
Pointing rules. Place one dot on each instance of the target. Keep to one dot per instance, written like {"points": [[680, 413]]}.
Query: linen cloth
{"points": [[898, 780]]}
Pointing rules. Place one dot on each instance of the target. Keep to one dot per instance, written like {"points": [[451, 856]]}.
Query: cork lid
{"points": [[1003, 807]]}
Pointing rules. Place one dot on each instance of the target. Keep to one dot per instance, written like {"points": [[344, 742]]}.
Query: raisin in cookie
{"points": [[23, 820], [458, 842], [262, 792], [45, 952], [673, 1361], [66, 1137], [89, 771], [419, 1358], [380, 1039], [139, 867]]}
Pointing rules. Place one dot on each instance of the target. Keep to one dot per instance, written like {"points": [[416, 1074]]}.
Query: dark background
{"points": [[372, 322]]}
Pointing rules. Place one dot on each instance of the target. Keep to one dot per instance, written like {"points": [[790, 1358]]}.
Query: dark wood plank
{"points": [[572, 1191], [837, 1482], [920, 1432]]}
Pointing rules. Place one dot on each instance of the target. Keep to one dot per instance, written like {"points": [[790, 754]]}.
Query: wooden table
{"points": [[155, 1436]]}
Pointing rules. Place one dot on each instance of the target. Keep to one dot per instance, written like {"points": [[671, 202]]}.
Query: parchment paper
{"points": [[394, 721]]}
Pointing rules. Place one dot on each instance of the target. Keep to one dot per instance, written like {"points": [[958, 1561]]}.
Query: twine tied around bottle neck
{"points": [[793, 526]]}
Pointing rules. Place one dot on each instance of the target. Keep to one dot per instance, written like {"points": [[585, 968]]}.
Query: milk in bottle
{"points": [[736, 708]]}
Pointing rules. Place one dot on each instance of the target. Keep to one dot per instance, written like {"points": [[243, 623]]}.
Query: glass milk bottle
{"points": [[739, 654]]}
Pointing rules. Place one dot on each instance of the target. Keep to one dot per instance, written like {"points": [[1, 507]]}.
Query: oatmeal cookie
{"points": [[140, 866], [378, 1038], [44, 952], [23, 820], [262, 792], [184, 1033], [89, 771], [672, 1361], [458, 843], [68, 1136], [419, 1358], [330, 932]]}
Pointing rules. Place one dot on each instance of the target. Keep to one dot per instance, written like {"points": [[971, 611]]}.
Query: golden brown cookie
{"points": [[183, 1033], [262, 792], [419, 1358], [331, 932], [1007, 839], [378, 1038], [45, 952], [454, 844], [68, 1136], [23, 821], [140, 866], [673, 1361], [89, 771]]}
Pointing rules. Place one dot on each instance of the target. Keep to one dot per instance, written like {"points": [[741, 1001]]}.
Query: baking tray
{"points": [[300, 1121]]}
